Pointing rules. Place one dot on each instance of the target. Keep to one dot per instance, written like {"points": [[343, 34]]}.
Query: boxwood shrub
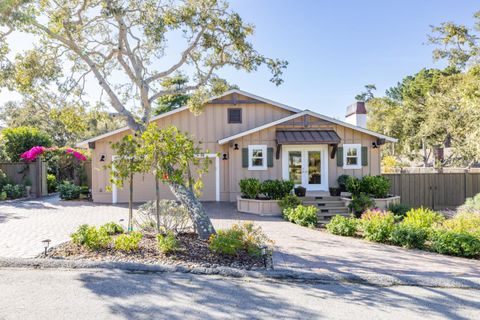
{"points": [[69, 191], [343, 226], [455, 243], [409, 236]]}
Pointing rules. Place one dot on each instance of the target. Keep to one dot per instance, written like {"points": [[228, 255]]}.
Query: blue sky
{"points": [[334, 48]]}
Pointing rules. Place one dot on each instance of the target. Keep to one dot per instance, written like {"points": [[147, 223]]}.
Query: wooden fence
{"points": [[35, 172], [434, 190]]}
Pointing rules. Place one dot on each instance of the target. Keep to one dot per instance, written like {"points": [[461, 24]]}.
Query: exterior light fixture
{"points": [[102, 158], [46, 244], [235, 146], [225, 156], [374, 145]]}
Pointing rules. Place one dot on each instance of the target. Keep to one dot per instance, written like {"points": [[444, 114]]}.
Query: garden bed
{"points": [[258, 206], [193, 252]]}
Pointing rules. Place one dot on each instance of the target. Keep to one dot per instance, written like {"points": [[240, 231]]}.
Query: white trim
{"points": [[263, 147], [217, 172], [166, 114], [310, 113], [304, 152], [356, 146], [114, 186]]}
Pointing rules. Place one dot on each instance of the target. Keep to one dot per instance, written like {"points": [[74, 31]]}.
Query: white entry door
{"points": [[306, 166]]}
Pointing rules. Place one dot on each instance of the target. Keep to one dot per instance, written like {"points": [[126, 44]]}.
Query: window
{"points": [[352, 155], [234, 115], [257, 157]]}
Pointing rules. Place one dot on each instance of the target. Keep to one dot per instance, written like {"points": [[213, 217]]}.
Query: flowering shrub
{"points": [[35, 152], [377, 225], [343, 226]]}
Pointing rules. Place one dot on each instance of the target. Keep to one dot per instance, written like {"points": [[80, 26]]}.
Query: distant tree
{"points": [[367, 95], [18, 140]]}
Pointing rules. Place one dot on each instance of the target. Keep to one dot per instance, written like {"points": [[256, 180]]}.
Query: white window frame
{"points": [[359, 156], [250, 156]]}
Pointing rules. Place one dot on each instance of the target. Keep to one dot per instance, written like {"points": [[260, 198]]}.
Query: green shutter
{"points": [[339, 157], [269, 157], [245, 157], [364, 156]]}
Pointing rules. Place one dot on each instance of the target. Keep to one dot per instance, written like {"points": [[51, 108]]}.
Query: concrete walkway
{"points": [[23, 225], [318, 251]]}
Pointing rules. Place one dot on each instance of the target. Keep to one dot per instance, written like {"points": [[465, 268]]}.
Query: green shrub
{"points": [[276, 189], [303, 215], [51, 183], [3, 196], [90, 237], [4, 180], [399, 210], [353, 185], [229, 241], [471, 204], [343, 226], [455, 243], [167, 243], [246, 236], [20, 139], [128, 242], [69, 191], [409, 236], [14, 191], [423, 218], [360, 203], [377, 225], [111, 228], [250, 188], [342, 181], [376, 186], [289, 201], [464, 222]]}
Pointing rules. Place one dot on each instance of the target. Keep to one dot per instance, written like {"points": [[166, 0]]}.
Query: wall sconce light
{"points": [[374, 145], [225, 156], [235, 146], [102, 158]]}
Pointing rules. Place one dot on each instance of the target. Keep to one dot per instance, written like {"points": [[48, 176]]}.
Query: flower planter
{"points": [[380, 203], [260, 207]]}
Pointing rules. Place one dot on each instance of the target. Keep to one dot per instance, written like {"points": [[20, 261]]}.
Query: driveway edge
{"points": [[294, 275]]}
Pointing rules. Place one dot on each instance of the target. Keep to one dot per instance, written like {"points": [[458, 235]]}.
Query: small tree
{"points": [[124, 166], [171, 154]]}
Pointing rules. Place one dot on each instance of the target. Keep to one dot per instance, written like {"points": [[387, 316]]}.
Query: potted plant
{"points": [[300, 191], [342, 182], [335, 191], [28, 187]]}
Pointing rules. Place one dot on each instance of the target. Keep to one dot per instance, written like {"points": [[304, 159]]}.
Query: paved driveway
{"points": [[23, 225]]}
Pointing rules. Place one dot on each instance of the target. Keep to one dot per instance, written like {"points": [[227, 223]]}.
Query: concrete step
{"points": [[324, 204], [320, 198], [333, 210]]}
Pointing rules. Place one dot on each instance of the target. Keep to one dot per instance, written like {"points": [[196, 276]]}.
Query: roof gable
{"points": [[306, 112]]}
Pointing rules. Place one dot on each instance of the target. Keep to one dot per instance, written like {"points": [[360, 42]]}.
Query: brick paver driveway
{"points": [[23, 225]]}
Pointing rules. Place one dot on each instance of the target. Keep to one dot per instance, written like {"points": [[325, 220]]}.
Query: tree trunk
{"points": [[201, 222], [157, 202], [130, 205]]}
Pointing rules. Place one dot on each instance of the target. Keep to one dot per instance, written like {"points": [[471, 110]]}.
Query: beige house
{"points": [[250, 136]]}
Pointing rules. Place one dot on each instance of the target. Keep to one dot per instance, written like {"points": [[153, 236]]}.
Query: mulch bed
{"points": [[193, 253]]}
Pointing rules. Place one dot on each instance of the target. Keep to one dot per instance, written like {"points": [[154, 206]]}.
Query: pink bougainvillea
{"points": [[35, 152]]}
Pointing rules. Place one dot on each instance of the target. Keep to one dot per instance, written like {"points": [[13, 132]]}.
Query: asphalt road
{"points": [[111, 294]]}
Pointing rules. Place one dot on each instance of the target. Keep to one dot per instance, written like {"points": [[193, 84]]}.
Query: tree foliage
{"points": [[18, 140]]}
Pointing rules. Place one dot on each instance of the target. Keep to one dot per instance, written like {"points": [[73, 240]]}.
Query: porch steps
{"points": [[328, 207]]}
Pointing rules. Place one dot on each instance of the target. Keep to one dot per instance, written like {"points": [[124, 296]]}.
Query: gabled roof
{"points": [[296, 115], [166, 114]]}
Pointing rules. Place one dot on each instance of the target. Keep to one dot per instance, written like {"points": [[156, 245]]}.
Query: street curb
{"points": [[284, 274]]}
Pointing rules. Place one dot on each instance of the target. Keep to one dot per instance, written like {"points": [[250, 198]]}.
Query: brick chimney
{"points": [[357, 114]]}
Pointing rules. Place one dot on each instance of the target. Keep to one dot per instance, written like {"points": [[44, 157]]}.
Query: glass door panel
{"points": [[295, 166], [314, 167]]}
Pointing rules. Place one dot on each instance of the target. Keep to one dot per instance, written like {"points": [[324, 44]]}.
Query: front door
{"points": [[306, 166]]}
